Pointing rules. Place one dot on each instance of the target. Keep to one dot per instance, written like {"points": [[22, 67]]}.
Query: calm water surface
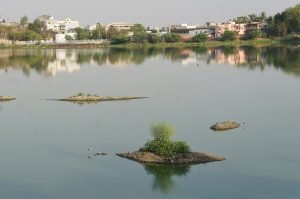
{"points": [[43, 144]]}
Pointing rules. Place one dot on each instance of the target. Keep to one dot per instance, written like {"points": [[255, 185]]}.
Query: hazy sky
{"points": [[151, 12]]}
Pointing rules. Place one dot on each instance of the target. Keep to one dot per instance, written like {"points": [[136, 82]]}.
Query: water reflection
{"points": [[163, 176], [50, 62]]}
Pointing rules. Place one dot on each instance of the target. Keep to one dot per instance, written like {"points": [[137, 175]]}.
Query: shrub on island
{"points": [[162, 144]]}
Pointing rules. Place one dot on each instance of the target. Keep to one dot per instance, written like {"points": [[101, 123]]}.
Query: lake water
{"points": [[43, 144]]}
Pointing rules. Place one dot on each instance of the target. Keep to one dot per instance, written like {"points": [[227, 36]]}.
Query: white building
{"points": [[62, 25], [209, 31], [120, 26], [58, 25]]}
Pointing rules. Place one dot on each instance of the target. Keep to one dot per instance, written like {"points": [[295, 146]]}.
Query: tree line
{"points": [[282, 24]]}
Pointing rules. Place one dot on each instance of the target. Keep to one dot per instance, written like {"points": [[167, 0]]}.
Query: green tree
{"points": [[111, 32], [120, 39], [82, 34], [141, 37], [37, 26], [287, 22], [171, 38], [229, 36], [153, 38], [263, 16], [253, 34], [24, 35], [24, 21], [68, 37], [137, 28], [253, 18], [162, 143], [242, 19], [102, 31], [96, 34], [200, 38]]}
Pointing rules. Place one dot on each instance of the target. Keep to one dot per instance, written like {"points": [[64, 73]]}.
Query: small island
{"points": [[6, 98], [162, 150], [223, 126], [82, 97]]}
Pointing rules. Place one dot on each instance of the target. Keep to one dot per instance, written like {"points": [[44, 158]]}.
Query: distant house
{"points": [[58, 25], [240, 28], [61, 36], [188, 31], [256, 26], [203, 30], [120, 26], [5, 23]]}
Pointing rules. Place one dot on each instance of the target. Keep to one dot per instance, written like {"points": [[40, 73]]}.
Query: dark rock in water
{"points": [[6, 98], [223, 126], [188, 158]]}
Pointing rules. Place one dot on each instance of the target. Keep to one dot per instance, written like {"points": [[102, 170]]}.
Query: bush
{"points": [[162, 144], [140, 37], [166, 147], [152, 38], [180, 147], [200, 38], [68, 37], [171, 38], [229, 36], [120, 39], [26, 35], [254, 34]]}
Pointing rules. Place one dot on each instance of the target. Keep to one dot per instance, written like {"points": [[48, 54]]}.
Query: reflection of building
{"points": [[235, 57], [64, 62]]}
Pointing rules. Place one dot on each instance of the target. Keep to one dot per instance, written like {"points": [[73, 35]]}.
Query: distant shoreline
{"points": [[256, 42]]}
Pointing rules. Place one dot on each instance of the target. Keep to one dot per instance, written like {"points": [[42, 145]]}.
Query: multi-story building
{"points": [[120, 26], [58, 25], [190, 31], [240, 28]]}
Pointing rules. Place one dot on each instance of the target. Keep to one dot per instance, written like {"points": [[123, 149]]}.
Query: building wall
{"points": [[240, 29], [120, 26], [57, 25], [207, 31]]}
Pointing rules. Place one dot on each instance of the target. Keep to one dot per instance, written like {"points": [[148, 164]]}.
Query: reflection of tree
{"points": [[163, 174], [25, 59], [175, 54], [229, 50], [285, 58]]}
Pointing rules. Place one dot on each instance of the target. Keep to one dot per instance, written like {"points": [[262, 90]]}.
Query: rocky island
{"points": [[223, 126], [184, 158], [6, 98], [162, 150], [81, 98]]}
